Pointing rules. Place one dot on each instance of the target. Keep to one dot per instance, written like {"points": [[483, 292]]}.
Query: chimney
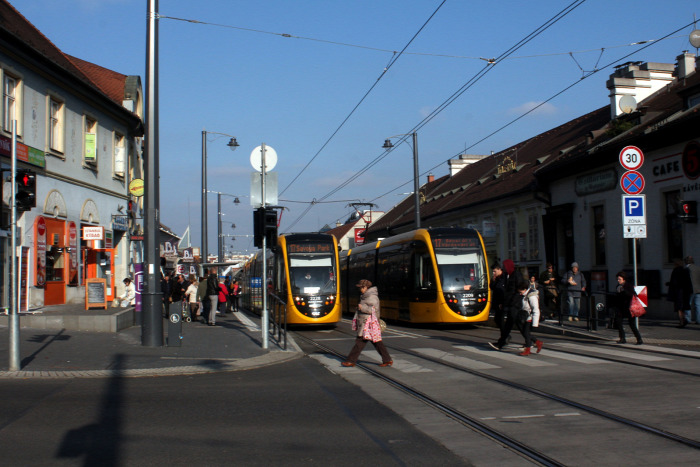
{"points": [[431, 178], [685, 65], [637, 80], [464, 160]]}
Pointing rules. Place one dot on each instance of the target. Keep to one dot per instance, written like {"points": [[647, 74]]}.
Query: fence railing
{"points": [[278, 319]]}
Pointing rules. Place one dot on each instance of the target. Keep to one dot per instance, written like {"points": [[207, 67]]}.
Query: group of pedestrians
{"points": [[202, 299], [516, 302], [684, 291]]}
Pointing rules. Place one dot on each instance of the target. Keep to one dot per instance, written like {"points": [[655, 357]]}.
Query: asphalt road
{"points": [[294, 413]]}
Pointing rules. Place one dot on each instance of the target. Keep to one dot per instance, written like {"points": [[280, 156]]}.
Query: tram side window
{"points": [[423, 267]]}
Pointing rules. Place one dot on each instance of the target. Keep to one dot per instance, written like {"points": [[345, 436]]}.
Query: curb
{"points": [[271, 358]]}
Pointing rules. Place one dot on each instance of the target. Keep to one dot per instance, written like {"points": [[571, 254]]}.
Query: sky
{"points": [[325, 82]]}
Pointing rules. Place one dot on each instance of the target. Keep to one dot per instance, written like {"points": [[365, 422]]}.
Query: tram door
{"points": [[100, 265]]}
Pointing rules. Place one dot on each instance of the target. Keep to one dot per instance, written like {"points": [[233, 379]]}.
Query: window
{"points": [[511, 247], [10, 94], [599, 235], [674, 227], [90, 153], [534, 235], [55, 125], [119, 155]]}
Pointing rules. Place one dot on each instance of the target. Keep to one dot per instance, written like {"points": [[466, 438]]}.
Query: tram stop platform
{"points": [[67, 341]]}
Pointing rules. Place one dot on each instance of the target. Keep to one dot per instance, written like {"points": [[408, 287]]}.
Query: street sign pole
{"points": [[632, 182]]}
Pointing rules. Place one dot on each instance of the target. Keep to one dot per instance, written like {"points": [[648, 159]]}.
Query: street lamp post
{"points": [[219, 244], [416, 193], [233, 144]]}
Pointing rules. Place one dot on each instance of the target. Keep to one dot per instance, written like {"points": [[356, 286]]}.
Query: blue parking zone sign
{"points": [[633, 210]]}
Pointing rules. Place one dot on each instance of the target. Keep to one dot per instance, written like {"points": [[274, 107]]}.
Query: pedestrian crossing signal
{"points": [[25, 197]]}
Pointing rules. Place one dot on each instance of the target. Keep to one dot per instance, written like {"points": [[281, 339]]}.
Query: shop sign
{"points": [[488, 229], [596, 182], [24, 153], [136, 187], [120, 223], [360, 236], [93, 233], [169, 248]]}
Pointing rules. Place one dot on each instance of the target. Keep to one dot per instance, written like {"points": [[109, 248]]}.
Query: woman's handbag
{"points": [[636, 308], [354, 322], [372, 330]]}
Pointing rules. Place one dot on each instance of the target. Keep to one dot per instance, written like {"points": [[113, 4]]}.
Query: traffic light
{"points": [[688, 211], [25, 198], [265, 224]]}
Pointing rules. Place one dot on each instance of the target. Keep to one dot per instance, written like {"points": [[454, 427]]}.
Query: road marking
{"points": [[571, 414], [573, 358], [403, 365], [618, 353], [245, 321], [513, 358], [454, 359], [523, 416]]}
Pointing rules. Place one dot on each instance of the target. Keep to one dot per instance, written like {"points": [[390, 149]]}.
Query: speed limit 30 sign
{"points": [[631, 158]]}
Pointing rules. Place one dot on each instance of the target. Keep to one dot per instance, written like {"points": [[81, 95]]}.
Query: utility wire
{"points": [[480, 74], [379, 49], [554, 96], [376, 82]]}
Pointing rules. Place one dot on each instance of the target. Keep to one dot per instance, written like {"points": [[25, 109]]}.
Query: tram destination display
{"points": [[95, 293]]}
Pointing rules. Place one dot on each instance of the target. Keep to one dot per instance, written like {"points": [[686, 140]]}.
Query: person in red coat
{"points": [[223, 298]]}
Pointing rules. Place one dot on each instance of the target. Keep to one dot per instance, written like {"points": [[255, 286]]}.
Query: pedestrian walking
{"points": [[366, 323], [223, 297], [235, 291], [498, 294], [165, 290], [575, 285], [625, 294], [694, 272], [191, 295], [203, 299], [549, 281], [680, 289], [212, 295], [528, 315], [513, 280]]}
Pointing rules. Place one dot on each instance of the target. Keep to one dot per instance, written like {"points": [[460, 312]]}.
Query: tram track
{"points": [[514, 445], [520, 387]]}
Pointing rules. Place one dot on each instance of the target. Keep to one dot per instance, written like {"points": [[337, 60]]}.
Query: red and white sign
{"points": [[360, 236], [631, 158], [641, 291], [632, 182], [93, 233]]}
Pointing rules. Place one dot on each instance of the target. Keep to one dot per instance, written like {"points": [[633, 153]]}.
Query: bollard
{"points": [[175, 325]]}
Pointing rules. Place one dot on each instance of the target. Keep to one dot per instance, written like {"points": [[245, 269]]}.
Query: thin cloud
{"points": [[544, 109]]}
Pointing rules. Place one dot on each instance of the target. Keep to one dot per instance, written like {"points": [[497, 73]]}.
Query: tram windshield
{"points": [[461, 269], [313, 270]]}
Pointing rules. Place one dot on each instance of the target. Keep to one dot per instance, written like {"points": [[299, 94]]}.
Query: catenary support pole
{"points": [[152, 326]]}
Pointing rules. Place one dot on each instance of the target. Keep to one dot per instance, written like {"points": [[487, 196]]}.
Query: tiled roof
{"points": [[110, 82], [481, 182], [340, 231]]}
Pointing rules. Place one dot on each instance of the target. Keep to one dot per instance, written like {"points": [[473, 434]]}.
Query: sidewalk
{"points": [[234, 344], [655, 330]]}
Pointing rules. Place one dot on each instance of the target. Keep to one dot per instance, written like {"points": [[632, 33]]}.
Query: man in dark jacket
{"points": [[165, 289], [213, 295], [513, 280]]}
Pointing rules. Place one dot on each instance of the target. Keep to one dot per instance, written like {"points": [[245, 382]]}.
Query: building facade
{"points": [[78, 129]]}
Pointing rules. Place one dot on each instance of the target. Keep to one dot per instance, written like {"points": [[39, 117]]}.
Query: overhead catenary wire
{"points": [[376, 82], [524, 114], [480, 74]]}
